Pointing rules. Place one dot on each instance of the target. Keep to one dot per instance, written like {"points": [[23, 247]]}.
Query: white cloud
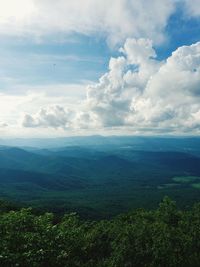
{"points": [[55, 117], [138, 91], [115, 19], [30, 99], [111, 99], [3, 124], [143, 93], [192, 7], [173, 92]]}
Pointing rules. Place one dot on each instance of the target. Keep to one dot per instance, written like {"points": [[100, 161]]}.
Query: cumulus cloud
{"points": [[175, 88], [138, 91], [3, 124], [55, 117], [111, 99]]}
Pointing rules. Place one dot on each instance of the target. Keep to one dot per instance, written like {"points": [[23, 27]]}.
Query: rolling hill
{"points": [[98, 180]]}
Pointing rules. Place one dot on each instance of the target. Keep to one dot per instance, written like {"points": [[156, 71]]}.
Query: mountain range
{"points": [[101, 176]]}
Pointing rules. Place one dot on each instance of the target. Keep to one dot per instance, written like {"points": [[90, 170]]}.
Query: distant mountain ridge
{"points": [[172, 143], [104, 178]]}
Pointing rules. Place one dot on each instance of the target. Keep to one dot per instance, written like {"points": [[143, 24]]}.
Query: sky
{"points": [[87, 67]]}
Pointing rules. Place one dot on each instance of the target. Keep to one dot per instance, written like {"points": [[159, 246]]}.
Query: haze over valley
{"points": [[100, 177]]}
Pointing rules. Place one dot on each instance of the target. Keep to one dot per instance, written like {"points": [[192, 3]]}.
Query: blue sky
{"points": [[75, 58], [52, 56], [180, 30]]}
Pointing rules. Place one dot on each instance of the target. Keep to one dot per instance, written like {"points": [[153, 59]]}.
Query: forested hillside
{"points": [[165, 237], [102, 180]]}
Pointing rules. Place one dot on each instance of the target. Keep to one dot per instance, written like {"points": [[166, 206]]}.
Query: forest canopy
{"points": [[163, 237]]}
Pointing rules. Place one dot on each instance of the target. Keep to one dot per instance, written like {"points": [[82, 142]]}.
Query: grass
{"points": [[197, 186], [192, 181], [170, 185], [185, 179]]}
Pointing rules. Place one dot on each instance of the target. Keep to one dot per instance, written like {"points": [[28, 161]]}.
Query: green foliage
{"points": [[186, 179], [166, 237], [7, 206], [101, 182]]}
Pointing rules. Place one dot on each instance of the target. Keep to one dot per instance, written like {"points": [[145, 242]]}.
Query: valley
{"points": [[101, 178]]}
